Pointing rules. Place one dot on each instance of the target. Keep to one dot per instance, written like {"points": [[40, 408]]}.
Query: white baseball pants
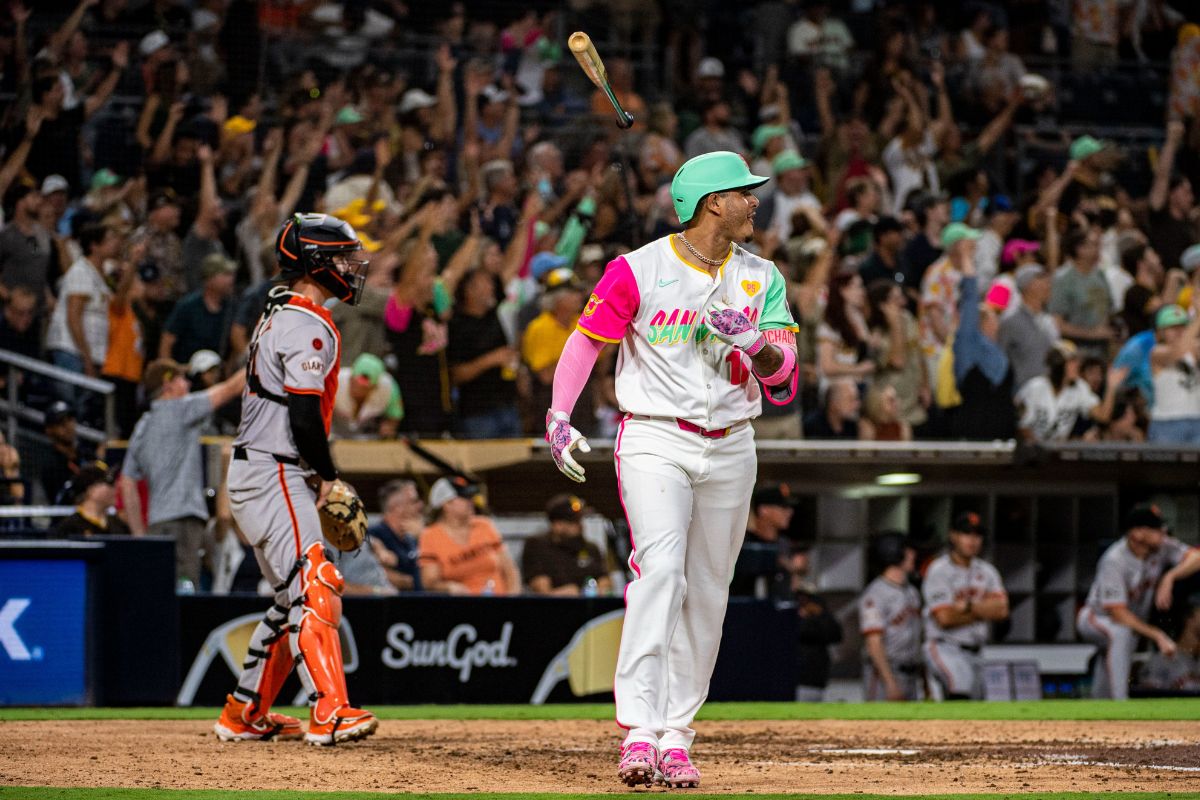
{"points": [[1114, 662], [687, 499]]}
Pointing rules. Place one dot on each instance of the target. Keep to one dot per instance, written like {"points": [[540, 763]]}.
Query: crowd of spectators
{"points": [[960, 265]]}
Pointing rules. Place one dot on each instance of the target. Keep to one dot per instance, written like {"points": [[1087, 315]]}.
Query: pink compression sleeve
{"points": [[574, 366]]}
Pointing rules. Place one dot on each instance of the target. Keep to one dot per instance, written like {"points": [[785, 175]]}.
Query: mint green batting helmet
{"points": [[722, 171]]}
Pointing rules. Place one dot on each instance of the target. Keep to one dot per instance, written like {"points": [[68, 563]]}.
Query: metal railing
{"points": [[16, 364]]}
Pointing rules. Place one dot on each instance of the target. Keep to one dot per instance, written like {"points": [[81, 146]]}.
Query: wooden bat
{"points": [[585, 53]]}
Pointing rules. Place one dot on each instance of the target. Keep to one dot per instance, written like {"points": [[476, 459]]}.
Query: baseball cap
{"points": [[772, 494], [545, 262], [415, 99], [765, 133], [55, 183], [152, 42], [1067, 349], [59, 411], [202, 361], [88, 476], [1170, 316], [216, 264], [368, 368], [886, 225], [710, 67], [446, 489], [1085, 146], [564, 508], [998, 297], [494, 94], [955, 232], [1145, 515], [161, 372], [968, 522], [347, 115], [1027, 274], [922, 201], [238, 125], [1189, 259], [1015, 248], [788, 159], [590, 253], [561, 278], [103, 179], [1001, 204]]}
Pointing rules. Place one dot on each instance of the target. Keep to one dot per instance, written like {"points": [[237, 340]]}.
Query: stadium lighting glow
{"points": [[898, 479]]}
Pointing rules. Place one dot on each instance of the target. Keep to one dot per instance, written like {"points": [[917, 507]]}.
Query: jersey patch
{"points": [[592, 304], [313, 365], [318, 344], [751, 287]]}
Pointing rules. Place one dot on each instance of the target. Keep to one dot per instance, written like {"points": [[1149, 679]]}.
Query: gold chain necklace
{"points": [[697, 254]]}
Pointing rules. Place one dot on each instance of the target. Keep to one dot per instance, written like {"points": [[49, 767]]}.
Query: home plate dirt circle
{"points": [[580, 756]]}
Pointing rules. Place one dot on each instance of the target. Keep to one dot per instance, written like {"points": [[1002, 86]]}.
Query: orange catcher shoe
{"points": [[237, 724], [345, 724]]}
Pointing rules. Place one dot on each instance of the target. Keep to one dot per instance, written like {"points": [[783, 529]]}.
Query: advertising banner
{"points": [[436, 649], [43, 632]]}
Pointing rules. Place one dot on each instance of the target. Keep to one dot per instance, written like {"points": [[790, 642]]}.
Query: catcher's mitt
{"points": [[343, 518]]}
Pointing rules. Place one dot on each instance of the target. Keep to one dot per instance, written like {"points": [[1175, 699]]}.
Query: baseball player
{"points": [[889, 614], [280, 449], [1118, 604], [703, 328], [962, 594]]}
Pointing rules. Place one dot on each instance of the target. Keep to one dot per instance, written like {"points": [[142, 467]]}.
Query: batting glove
{"points": [[735, 328], [563, 439]]}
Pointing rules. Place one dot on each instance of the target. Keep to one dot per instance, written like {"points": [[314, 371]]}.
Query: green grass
{"points": [[1164, 709], [23, 793]]}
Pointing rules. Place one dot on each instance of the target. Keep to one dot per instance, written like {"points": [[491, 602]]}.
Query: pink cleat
{"points": [[677, 771], [639, 761]]}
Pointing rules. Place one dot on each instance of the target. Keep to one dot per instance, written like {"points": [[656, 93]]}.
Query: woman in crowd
{"points": [[462, 552], [843, 340], [897, 340], [1175, 415]]}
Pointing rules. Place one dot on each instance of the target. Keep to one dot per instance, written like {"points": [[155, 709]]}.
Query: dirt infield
{"points": [[574, 756]]}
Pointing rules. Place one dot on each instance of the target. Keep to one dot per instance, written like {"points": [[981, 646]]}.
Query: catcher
{"points": [[283, 485]]}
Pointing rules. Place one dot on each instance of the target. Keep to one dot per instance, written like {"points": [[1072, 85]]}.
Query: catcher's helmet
{"points": [[307, 245], [888, 549]]}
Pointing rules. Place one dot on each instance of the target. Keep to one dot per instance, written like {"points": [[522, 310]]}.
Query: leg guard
{"points": [[318, 653], [268, 662], [246, 715]]}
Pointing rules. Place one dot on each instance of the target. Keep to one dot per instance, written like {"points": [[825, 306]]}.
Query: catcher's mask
{"points": [[322, 247]]}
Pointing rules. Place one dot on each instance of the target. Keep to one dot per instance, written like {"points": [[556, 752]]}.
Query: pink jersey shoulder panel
{"points": [[613, 303]]}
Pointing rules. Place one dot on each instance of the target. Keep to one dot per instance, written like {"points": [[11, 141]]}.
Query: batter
{"points": [[1118, 603], [700, 323], [963, 594], [282, 448], [889, 613]]}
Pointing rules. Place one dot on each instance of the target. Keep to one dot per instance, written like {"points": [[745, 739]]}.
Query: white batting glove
{"points": [[734, 328], [563, 438]]}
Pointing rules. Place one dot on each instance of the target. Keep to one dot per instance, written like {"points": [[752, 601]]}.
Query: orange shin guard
{"points": [[314, 642]]}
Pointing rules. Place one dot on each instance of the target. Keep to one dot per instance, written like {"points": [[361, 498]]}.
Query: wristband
{"points": [[785, 370], [756, 347]]}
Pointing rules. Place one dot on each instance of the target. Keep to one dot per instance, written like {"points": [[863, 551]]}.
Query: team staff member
{"points": [[962, 593], [1118, 604], [889, 613], [281, 449], [701, 323], [561, 561]]}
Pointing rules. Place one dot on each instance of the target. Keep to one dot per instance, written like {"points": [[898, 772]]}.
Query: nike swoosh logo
{"points": [[667, 283]]}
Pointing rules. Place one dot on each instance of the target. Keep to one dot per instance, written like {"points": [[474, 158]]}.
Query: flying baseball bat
{"points": [[585, 53]]}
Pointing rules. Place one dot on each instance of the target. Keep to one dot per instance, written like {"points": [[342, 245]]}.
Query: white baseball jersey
{"points": [[296, 349], [1123, 579], [652, 302], [895, 612], [946, 583]]}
